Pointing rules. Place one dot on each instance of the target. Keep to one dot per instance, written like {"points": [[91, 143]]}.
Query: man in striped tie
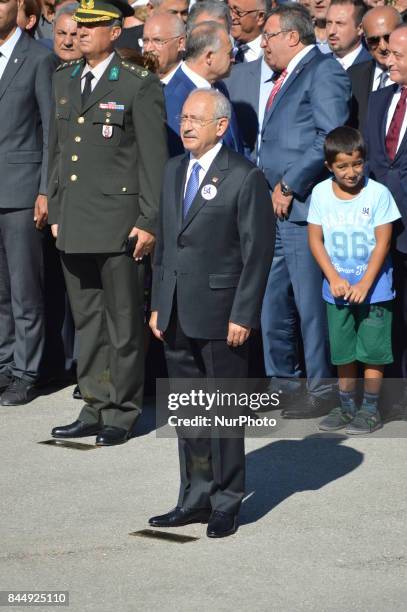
{"points": [[214, 247]]}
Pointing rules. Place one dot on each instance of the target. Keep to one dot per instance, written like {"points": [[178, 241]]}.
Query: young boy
{"points": [[350, 225]]}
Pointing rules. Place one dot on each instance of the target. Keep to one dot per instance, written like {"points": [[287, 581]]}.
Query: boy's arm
{"points": [[357, 293], [338, 285]]}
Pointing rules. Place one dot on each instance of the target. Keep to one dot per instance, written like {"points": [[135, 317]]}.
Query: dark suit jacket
{"points": [[218, 258], [25, 104], [314, 100], [362, 56], [361, 77], [175, 93], [243, 86], [393, 174], [106, 163]]}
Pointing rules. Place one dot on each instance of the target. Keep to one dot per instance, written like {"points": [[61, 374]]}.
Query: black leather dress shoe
{"points": [[76, 393], [221, 524], [18, 393], [310, 408], [110, 436], [180, 516], [78, 429]]}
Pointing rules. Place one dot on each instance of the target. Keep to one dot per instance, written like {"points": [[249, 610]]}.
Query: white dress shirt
{"points": [[295, 61], [254, 50], [165, 80], [347, 60], [390, 114], [376, 79], [7, 48], [97, 72], [205, 162], [196, 78]]}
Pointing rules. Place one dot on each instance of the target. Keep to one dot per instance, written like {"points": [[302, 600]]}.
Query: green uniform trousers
{"points": [[106, 292]]}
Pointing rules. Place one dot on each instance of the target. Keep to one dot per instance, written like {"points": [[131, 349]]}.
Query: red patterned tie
{"points": [[276, 89], [393, 134]]}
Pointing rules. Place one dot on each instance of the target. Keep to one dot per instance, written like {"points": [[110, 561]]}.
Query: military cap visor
{"points": [[94, 11]]}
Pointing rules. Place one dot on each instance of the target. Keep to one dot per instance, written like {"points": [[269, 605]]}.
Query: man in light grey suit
{"points": [[249, 86], [26, 69]]}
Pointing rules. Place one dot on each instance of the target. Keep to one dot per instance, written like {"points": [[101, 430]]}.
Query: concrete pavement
{"points": [[323, 528]]}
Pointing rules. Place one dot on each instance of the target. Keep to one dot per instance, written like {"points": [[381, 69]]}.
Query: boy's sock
{"points": [[370, 402], [348, 401]]}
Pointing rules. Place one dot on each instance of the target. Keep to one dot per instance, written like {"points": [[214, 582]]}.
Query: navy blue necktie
{"points": [[192, 188]]}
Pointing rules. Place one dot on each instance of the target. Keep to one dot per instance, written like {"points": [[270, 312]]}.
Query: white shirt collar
{"points": [[196, 78], [165, 80], [7, 48], [98, 70], [206, 160], [347, 60], [255, 48], [297, 58], [266, 72]]}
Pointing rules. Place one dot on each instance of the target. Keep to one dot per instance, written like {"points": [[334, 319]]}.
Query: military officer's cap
{"points": [[94, 11]]}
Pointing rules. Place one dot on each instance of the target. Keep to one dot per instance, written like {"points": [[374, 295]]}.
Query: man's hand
{"points": [[153, 325], [54, 230], [237, 334], [144, 245], [41, 212], [339, 286], [357, 293], [281, 203]]}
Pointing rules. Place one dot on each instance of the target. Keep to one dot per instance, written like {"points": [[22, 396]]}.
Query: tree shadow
{"points": [[282, 468]]}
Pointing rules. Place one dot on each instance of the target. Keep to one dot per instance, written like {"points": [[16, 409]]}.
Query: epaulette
{"points": [[67, 64], [139, 71]]}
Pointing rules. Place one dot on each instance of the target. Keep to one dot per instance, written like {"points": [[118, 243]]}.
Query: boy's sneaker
{"points": [[364, 422], [336, 419]]}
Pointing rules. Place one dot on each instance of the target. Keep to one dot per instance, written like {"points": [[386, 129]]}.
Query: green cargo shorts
{"points": [[360, 332]]}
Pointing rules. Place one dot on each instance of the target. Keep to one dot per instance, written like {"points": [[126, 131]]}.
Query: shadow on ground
{"points": [[282, 468]]}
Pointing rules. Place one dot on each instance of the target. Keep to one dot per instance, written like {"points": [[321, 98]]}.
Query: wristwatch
{"points": [[285, 190]]}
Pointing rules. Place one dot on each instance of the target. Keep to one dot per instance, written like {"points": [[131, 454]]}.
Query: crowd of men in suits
{"points": [[89, 159]]}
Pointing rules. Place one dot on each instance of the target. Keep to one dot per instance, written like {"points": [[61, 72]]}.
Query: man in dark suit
{"points": [[344, 32], [208, 58], [214, 247], [107, 152], [378, 24], [308, 100], [386, 141], [26, 69]]}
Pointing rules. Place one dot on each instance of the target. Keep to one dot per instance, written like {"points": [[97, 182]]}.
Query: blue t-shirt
{"points": [[348, 227]]}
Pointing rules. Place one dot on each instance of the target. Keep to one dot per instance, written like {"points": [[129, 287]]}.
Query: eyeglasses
{"points": [[158, 42], [267, 35], [195, 121], [373, 41], [239, 13]]}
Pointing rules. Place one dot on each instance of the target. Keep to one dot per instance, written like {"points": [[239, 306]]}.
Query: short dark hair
{"points": [[295, 17], [343, 140], [360, 8]]}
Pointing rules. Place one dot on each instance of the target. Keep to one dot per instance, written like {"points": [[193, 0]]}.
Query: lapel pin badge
{"points": [[16, 60], [208, 192], [215, 179]]}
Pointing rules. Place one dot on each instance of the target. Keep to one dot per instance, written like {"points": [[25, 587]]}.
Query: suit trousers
{"points": [[21, 294], [292, 303], [106, 293], [212, 470], [399, 368]]}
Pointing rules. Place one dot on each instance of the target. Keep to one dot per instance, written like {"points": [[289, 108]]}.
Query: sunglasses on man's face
{"points": [[373, 41]]}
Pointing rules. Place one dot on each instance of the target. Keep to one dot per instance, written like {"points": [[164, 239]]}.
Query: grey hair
{"points": [[176, 25], [222, 104], [205, 35], [66, 9], [214, 8], [295, 17]]}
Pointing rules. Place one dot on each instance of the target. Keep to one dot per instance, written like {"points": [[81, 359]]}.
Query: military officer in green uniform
{"points": [[107, 154]]}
